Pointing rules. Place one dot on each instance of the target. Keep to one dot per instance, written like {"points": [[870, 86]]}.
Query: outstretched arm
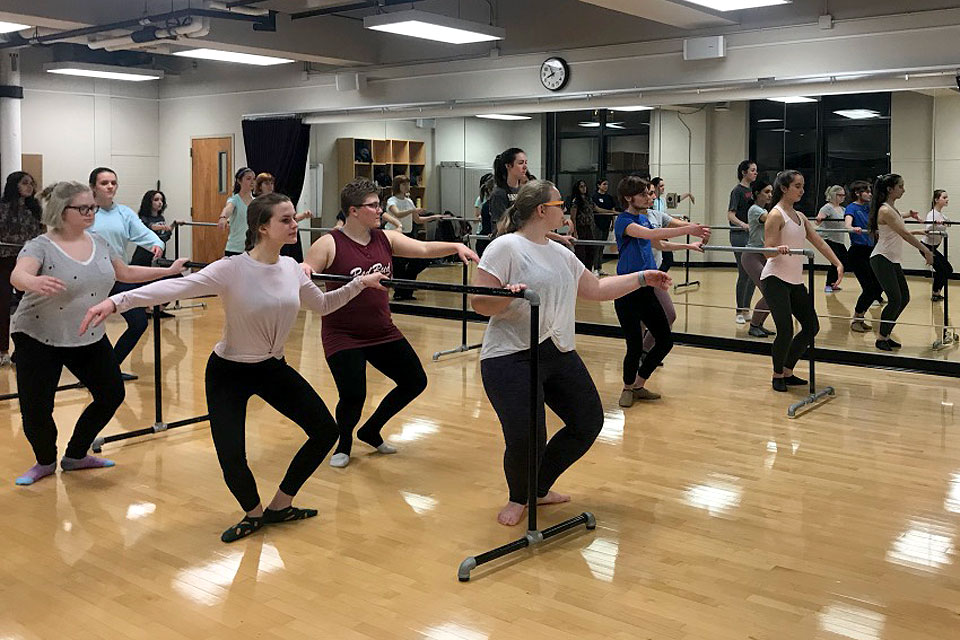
{"points": [[405, 247], [590, 287]]}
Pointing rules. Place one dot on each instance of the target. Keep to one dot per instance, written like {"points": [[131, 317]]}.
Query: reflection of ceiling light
{"points": [[502, 116], [852, 622], [589, 125], [952, 501], [721, 493], [734, 5], [615, 125], [415, 430], [107, 72], [792, 99], [769, 120], [636, 108], [10, 27], [927, 544], [858, 114], [612, 431], [232, 56], [432, 26], [601, 557], [419, 503]]}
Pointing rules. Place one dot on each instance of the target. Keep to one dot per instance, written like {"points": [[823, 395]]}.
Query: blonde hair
{"points": [[531, 195], [56, 198], [831, 192]]}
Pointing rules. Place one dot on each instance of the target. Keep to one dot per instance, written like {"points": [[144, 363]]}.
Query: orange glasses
{"points": [[554, 203]]}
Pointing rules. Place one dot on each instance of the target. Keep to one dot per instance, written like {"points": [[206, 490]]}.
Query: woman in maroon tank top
{"points": [[363, 331]]}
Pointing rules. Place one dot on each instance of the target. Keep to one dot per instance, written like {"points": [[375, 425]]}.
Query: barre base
{"points": [[811, 399], [156, 428]]}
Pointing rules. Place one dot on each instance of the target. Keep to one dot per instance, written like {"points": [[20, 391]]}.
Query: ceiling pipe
{"points": [[151, 37], [234, 7]]}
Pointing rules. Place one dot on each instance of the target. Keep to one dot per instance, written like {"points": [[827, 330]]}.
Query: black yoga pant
{"points": [[637, 310], [840, 250], [942, 269], [745, 286], [788, 301], [6, 295], [566, 387], [891, 278], [230, 385], [38, 373], [666, 261], [589, 255], [859, 260], [398, 361], [136, 324], [407, 269]]}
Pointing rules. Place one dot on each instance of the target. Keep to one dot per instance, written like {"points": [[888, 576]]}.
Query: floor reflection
{"points": [[453, 631], [850, 621], [718, 496], [207, 583], [601, 556], [927, 544]]}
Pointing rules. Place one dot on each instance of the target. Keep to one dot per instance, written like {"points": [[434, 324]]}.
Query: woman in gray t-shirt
{"points": [[63, 273], [831, 221]]}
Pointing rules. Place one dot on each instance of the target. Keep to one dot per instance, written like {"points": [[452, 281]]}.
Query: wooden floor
{"points": [[719, 518], [709, 310]]}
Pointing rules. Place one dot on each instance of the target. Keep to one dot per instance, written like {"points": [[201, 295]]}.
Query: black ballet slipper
{"points": [[779, 384], [794, 381], [242, 529], [290, 514]]}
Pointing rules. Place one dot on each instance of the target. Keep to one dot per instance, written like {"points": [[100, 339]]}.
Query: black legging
{"points": [[6, 295], [840, 250], [745, 286], [859, 260], [398, 361], [136, 324], [587, 254], [38, 373], [894, 283], [230, 385], [788, 301], [566, 387], [637, 310], [407, 269], [942, 269]]}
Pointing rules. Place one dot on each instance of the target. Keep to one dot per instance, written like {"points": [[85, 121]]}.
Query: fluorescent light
{"points": [[11, 27], [792, 99], [589, 125], [615, 125], [858, 114], [502, 116], [734, 5], [432, 26], [635, 108], [232, 56], [769, 120], [107, 72]]}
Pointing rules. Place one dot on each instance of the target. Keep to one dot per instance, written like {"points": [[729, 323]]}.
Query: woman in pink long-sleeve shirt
{"points": [[262, 293]]}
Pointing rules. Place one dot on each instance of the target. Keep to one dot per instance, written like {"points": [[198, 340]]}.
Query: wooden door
{"points": [[212, 170]]}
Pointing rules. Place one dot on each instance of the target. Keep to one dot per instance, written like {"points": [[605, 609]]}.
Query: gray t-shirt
{"points": [[553, 272], [755, 239], [658, 220], [55, 320], [833, 219]]}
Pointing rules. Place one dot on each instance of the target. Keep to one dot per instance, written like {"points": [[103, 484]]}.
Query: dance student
{"points": [[942, 269], [523, 256], [262, 293], [753, 263], [119, 226], [19, 222], [482, 208], [886, 225], [401, 208], [363, 331], [782, 277], [152, 206], [831, 219], [660, 204], [234, 214], [580, 208], [740, 200], [265, 183], [634, 234], [605, 207], [509, 169], [62, 272], [857, 218]]}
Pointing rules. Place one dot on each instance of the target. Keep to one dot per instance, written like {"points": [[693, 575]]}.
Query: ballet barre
{"points": [[814, 395]]}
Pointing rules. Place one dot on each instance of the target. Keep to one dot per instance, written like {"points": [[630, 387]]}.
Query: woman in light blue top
{"points": [[234, 214]]}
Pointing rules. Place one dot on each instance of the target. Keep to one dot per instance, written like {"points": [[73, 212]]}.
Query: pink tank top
{"points": [[365, 321], [788, 268]]}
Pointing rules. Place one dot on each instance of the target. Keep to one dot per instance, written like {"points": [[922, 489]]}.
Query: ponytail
{"points": [[881, 191], [782, 182], [258, 214], [500, 165], [531, 195], [239, 176]]}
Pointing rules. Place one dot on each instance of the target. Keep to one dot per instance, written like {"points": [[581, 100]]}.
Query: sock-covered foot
{"points": [[894, 343], [86, 462], [242, 529], [386, 449], [794, 381], [779, 384], [339, 460], [290, 514], [36, 472]]}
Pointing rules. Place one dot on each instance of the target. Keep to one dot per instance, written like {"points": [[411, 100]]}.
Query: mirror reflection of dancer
{"points": [[523, 256], [753, 263], [857, 219], [20, 214], [942, 269], [782, 277], [740, 200]]}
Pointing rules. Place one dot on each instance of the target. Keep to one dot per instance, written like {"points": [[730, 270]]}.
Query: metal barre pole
{"points": [[766, 250]]}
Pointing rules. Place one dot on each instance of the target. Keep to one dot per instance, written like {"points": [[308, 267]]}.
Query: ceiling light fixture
{"points": [[635, 108], [735, 5], [858, 114], [792, 99], [104, 71], [762, 120], [432, 26], [232, 56], [502, 116], [11, 27]]}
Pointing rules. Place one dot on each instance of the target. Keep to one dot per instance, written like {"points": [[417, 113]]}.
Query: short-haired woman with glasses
{"points": [[63, 272], [363, 331], [523, 256]]}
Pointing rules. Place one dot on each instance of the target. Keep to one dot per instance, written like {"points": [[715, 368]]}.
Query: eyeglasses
{"points": [[371, 205], [84, 209], [553, 203]]}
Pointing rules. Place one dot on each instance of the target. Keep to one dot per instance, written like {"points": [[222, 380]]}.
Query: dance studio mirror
{"points": [[695, 149]]}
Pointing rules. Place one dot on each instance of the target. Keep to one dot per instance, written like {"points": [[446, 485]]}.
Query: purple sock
{"points": [[36, 472], [86, 462]]}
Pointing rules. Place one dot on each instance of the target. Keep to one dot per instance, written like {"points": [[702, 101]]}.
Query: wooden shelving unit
{"points": [[381, 161]]}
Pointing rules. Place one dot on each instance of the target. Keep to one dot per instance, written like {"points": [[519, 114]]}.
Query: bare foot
{"points": [[553, 497], [511, 514]]}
